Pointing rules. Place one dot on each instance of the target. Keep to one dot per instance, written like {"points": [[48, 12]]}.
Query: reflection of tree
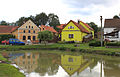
{"points": [[47, 64], [111, 68]]}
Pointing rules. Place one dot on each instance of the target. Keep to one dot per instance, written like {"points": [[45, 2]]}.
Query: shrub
{"points": [[73, 49], [61, 42], [113, 44], [62, 48], [95, 43]]}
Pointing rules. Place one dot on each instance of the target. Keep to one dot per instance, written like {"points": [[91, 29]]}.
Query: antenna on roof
{"points": [[78, 21]]}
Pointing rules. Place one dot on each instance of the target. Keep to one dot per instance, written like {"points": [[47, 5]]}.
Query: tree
{"points": [[116, 17], [41, 19], [94, 26], [45, 36], [53, 20], [22, 20], [3, 23]]}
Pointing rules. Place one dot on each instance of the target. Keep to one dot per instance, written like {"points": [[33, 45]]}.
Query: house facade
{"points": [[75, 32], [28, 31], [112, 29]]}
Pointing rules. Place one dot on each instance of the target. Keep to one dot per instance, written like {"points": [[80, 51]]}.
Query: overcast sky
{"points": [[85, 10]]}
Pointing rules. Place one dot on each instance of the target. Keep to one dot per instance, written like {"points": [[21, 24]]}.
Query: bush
{"points": [[73, 49], [113, 44], [95, 43], [62, 48], [61, 42]]}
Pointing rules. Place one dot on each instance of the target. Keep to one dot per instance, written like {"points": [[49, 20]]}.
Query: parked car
{"points": [[13, 42]]}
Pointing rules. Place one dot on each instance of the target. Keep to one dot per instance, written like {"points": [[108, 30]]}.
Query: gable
{"points": [[71, 26], [76, 25], [29, 24]]}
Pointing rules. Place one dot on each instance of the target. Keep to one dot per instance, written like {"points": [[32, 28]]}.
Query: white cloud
{"points": [[12, 10]]}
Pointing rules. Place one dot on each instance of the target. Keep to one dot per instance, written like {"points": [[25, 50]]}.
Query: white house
{"points": [[112, 29]]}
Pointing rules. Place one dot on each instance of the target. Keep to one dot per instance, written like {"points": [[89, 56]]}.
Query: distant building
{"points": [[112, 29]]}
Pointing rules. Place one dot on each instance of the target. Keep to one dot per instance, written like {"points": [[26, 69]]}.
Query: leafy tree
{"points": [[3, 23], [45, 36], [116, 17], [94, 26], [41, 19], [53, 20], [22, 20]]}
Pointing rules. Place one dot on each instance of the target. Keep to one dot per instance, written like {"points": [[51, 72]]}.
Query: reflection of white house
{"points": [[112, 29]]}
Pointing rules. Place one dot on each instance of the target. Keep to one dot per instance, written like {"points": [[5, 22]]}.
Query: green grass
{"points": [[2, 58], [56, 46], [7, 70]]}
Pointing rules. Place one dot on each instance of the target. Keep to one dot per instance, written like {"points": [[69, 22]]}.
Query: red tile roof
{"points": [[7, 29], [61, 26], [82, 29], [87, 26], [48, 28]]}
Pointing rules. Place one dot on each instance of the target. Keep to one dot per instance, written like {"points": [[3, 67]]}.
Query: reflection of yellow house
{"points": [[28, 62], [72, 64]]}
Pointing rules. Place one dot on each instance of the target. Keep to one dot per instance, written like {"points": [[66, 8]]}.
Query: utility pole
{"points": [[101, 31]]}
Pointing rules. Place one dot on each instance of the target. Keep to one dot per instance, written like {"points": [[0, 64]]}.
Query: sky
{"points": [[84, 10]]}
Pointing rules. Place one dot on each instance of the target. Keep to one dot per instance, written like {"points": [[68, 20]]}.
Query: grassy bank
{"points": [[7, 70], [65, 47]]}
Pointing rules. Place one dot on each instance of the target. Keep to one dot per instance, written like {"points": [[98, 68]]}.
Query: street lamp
{"points": [[101, 31]]}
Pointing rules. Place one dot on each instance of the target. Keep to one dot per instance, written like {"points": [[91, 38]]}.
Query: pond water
{"points": [[55, 65]]}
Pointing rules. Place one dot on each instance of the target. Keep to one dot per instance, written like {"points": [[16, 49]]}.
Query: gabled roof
{"points": [[48, 28], [82, 29], [112, 23], [7, 29], [87, 26]]}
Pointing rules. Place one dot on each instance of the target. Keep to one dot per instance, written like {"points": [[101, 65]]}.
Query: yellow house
{"points": [[28, 31], [72, 64], [74, 32], [87, 27]]}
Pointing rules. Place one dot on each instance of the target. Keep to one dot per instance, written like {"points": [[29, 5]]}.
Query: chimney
{"points": [[78, 21]]}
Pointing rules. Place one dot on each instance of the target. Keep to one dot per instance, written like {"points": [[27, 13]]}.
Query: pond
{"points": [[36, 64]]}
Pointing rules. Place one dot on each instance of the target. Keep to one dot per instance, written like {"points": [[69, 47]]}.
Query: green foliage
{"points": [[41, 19], [94, 26], [6, 37], [61, 42], [73, 49], [116, 17], [95, 43], [62, 48], [53, 21], [113, 44], [8, 70], [45, 36], [4, 23]]}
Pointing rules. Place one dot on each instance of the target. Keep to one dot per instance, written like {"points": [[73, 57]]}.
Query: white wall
{"points": [[108, 30]]}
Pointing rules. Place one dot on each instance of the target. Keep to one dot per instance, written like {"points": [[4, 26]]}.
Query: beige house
{"points": [[28, 31]]}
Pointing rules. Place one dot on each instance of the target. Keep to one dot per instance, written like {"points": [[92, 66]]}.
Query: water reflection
{"points": [[46, 65]]}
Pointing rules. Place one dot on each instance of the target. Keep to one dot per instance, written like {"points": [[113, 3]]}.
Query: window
{"points": [[29, 37], [70, 59], [29, 26], [29, 31], [34, 31], [34, 38], [43, 28], [24, 31], [24, 37], [70, 27], [32, 27], [26, 26], [71, 35]]}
